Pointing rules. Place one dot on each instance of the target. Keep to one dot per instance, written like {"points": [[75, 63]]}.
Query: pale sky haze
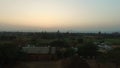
{"points": [[63, 15]]}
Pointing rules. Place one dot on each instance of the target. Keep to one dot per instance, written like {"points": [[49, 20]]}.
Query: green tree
{"points": [[88, 49], [101, 59], [61, 47], [10, 53], [59, 43], [80, 40], [114, 56], [69, 52]]}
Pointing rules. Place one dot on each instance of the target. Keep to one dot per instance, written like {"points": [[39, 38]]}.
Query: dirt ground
{"points": [[39, 64], [64, 63], [60, 64]]}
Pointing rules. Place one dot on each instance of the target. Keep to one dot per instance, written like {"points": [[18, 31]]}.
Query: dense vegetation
{"points": [[11, 43]]}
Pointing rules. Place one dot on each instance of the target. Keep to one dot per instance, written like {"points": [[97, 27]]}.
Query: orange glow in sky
{"points": [[78, 15]]}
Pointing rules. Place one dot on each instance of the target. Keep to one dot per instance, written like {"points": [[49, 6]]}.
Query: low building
{"points": [[104, 47], [39, 53]]}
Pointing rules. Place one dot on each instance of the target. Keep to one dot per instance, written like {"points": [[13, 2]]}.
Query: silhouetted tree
{"points": [[69, 52], [80, 40], [88, 49], [61, 46], [9, 54]]}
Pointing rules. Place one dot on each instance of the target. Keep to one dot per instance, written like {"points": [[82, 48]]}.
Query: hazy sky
{"points": [[63, 15]]}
